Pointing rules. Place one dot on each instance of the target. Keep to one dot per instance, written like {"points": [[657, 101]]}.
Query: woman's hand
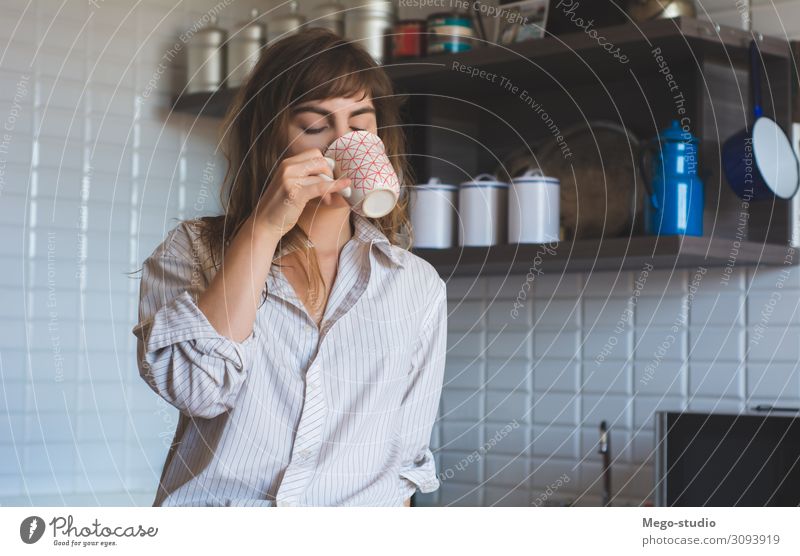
{"points": [[295, 183]]}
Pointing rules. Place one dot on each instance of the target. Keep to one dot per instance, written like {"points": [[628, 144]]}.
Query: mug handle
{"points": [[347, 191]]}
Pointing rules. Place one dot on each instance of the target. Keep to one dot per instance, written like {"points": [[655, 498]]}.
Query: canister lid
{"points": [[376, 7], [484, 180], [330, 10], [251, 29], [436, 184], [535, 176]]}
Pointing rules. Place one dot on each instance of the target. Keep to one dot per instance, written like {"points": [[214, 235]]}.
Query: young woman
{"points": [[303, 344]]}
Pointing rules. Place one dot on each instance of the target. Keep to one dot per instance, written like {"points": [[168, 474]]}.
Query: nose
{"points": [[341, 127]]}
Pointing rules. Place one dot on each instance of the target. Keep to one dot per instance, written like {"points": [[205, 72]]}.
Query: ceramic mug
{"points": [[361, 156]]}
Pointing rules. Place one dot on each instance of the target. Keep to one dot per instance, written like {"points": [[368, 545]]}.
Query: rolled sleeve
{"points": [[420, 403], [180, 354]]}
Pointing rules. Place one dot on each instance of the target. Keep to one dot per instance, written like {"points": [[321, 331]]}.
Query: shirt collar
{"points": [[367, 232]]}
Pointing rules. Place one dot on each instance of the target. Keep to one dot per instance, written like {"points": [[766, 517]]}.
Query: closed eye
{"points": [[315, 130]]}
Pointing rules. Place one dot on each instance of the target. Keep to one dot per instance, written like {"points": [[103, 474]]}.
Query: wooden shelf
{"points": [[574, 58], [564, 59], [625, 253], [556, 63]]}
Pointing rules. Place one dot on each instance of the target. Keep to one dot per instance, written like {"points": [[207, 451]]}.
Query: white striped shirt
{"points": [[295, 415]]}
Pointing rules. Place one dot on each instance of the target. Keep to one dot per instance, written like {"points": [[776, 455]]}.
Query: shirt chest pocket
{"points": [[373, 349]]}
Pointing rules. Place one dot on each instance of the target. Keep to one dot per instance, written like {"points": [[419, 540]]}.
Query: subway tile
{"points": [[12, 435], [608, 283], [561, 344], [465, 315], [18, 26], [506, 407], [661, 311], [716, 344], [49, 458], [615, 409], [512, 437], [510, 471], [716, 380], [503, 314], [716, 405], [557, 285], [643, 445], [717, 309], [547, 471], [509, 374], [602, 344], [14, 210], [457, 494], [57, 63], [101, 426], [620, 443], [771, 278], [20, 150], [776, 307], [773, 342], [509, 344], [668, 378], [14, 364], [556, 375], [14, 397], [18, 179], [461, 372], [607, 377], [556, 441], [557, 313], [507, 287], [607, 311], [511, 497], [52, 395], [556, 409], [460, 404], [457, 466], [655, 344], [660, 283], [778, 381], [646, 406], [461, 435]]}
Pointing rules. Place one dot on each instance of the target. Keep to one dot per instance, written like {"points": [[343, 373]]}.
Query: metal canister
{"points": [[409, 39], [244, 49], [205, 58], [369, 25], [449, 32], [329, 15], [285, 25]]}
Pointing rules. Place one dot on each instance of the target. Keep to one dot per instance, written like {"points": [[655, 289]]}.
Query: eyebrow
{"points": [[323, 112]]}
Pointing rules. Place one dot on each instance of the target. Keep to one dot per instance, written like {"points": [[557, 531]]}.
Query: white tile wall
{"points": [[94, 177]]}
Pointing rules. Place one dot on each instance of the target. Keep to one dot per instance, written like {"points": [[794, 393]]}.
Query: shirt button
{"points": [[304, 454]]}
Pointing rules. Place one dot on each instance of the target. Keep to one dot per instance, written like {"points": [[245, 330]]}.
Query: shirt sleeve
{"points": [[179, 353], [420, 403]]}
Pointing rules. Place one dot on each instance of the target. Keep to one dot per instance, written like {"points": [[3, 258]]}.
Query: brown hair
{"points": [[313, 64]]}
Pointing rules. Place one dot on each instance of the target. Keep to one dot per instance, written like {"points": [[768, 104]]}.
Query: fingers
{"points": [[307, 163], [326, 189]]}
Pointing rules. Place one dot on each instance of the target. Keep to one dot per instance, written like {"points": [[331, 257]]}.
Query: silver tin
{"points": [[205, 58], [244, 48]]}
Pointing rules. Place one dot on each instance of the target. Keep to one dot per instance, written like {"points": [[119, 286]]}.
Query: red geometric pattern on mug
{"points": [[361, 156]]}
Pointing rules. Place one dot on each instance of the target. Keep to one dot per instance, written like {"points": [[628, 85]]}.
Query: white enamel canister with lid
{"points": [[483, 208], [534, 208], [433, 210]]}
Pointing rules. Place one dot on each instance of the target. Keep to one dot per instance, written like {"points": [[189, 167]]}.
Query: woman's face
{"points": [[318, 123]]}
